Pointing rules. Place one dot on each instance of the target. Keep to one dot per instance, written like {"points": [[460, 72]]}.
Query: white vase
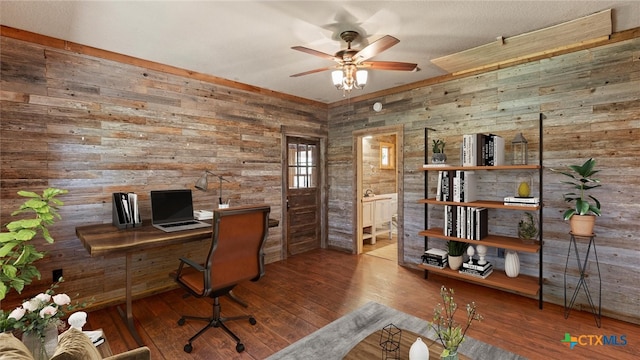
{"points": [[42, 348], [419, 350], [455, 262], [511, 264]]}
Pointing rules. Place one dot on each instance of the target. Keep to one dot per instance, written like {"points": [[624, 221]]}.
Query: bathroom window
{"points": [[387, 156]]}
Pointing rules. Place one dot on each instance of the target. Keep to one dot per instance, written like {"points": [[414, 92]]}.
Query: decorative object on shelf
{"points": [[449, 332], [582, 216], [471, 251], [18, 255], [419, 350], [455, 250], [511, 263], [482, 253], [522, 186], [528, 228], [390, 342], [519, 150], [438, 156]]}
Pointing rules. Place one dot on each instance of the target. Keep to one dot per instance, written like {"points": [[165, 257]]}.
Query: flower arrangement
{"points": [[35, 315], [449, 332]]}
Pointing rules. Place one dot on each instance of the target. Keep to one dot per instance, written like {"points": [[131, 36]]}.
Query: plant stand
{"points": [[582, 282]]}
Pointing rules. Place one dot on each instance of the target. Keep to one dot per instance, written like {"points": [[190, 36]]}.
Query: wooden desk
{"points": [[369, 348], [106, 239]]}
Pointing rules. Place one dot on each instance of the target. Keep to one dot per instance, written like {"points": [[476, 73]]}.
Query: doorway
{"points": [[303, 221], [378, 192]]}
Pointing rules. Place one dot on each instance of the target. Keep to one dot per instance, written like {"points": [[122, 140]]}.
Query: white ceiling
{"points": [[250, 41]]}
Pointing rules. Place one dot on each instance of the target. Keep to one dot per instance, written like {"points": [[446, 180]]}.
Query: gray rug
{"points": [[336, 339]]}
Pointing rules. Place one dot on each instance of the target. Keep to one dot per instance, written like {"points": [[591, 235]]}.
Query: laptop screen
{"points": [[171, 205]]}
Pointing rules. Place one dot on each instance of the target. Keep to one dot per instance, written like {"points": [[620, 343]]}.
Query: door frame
{"points": [[357, 135], [321, 137]]}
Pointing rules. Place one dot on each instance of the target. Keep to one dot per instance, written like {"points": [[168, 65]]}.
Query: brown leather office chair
{"points": [[236, 255]]}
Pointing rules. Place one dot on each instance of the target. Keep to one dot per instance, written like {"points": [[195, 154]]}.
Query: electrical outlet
{"points": [[57, 274]]}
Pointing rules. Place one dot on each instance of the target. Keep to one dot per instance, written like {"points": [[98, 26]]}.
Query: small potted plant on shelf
{"points": [[449, 332], [528, 228], [582, 215], [438, 156], [456, 250]]}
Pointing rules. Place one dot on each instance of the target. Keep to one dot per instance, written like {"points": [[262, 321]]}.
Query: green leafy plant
{"points": [[527, 227], [456, 248], [581, 180], [449, 332], [438, 146], [17, 255]]}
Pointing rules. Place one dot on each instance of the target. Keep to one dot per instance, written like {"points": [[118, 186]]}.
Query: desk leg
{"points": [[127, 315]]}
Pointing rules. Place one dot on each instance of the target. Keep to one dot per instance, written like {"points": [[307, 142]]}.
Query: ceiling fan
{"points": [[350, 71]]}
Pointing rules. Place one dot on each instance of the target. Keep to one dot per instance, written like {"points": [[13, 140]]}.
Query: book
{"points": [[475, 266], [436, 265], [520, 204], [475, 274], [523, 200], [481, 223], [437, 253], [429, 166], [498, 150]]}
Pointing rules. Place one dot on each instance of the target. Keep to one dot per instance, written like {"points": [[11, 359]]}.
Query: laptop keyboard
{"points": [[179, 224]]}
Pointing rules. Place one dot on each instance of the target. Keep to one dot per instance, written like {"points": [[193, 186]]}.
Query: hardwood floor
{"points": [[306, 292]]}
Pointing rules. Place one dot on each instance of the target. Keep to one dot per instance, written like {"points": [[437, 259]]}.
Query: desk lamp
{"points": [[203, 184]]}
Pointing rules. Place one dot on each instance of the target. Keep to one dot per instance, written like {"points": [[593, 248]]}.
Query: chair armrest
{"points": [[191, 263], [141, 353]]}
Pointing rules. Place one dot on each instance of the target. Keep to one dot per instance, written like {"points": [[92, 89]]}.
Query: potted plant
{"points": [[455, 250], [586, 207], [449, 332], [16, 253], [438, 156], [528, 228]]}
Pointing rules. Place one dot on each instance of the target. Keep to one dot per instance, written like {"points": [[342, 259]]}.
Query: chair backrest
{"points": [[236, 252]]}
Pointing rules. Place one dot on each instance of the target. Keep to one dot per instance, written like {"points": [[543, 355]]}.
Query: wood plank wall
{"points": [[95, 126], [591, 105]]}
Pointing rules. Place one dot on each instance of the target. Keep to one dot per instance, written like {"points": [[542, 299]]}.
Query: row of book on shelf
{"points": [[437, 258], [466, 222], [479, 150], [456, 185], [482, 150], [125, 210]]}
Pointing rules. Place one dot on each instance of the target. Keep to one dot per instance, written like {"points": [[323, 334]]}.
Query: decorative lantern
{"points": [[520, 152]]}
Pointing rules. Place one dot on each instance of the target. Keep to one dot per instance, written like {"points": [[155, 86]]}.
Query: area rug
{"points": [[336, 339]]}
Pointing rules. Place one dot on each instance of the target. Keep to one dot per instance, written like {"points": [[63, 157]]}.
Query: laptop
{"points": [[172, 210]]}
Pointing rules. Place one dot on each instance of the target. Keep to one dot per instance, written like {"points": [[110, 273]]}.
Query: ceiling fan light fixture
{"points": [[349, 78]]}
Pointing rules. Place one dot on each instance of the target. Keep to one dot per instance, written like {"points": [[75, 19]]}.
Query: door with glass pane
{"points": [[303, 195]]}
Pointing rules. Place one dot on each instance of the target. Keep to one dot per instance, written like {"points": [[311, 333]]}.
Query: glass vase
{"points": [[42, 348]]}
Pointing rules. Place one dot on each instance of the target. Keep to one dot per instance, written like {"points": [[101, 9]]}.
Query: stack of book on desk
{"points": [[474, 269], [522, 201], [435, 257]]}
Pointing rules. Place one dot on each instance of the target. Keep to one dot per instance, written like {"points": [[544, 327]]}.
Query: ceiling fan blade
{"points": [[312, 71], [316, 53], [375, 48], [389, 65]]}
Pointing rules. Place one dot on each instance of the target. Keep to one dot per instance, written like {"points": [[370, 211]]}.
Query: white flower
{"points": [[17, 313], [48, 310], [44, 298], [61, 299], [31, 305]]}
